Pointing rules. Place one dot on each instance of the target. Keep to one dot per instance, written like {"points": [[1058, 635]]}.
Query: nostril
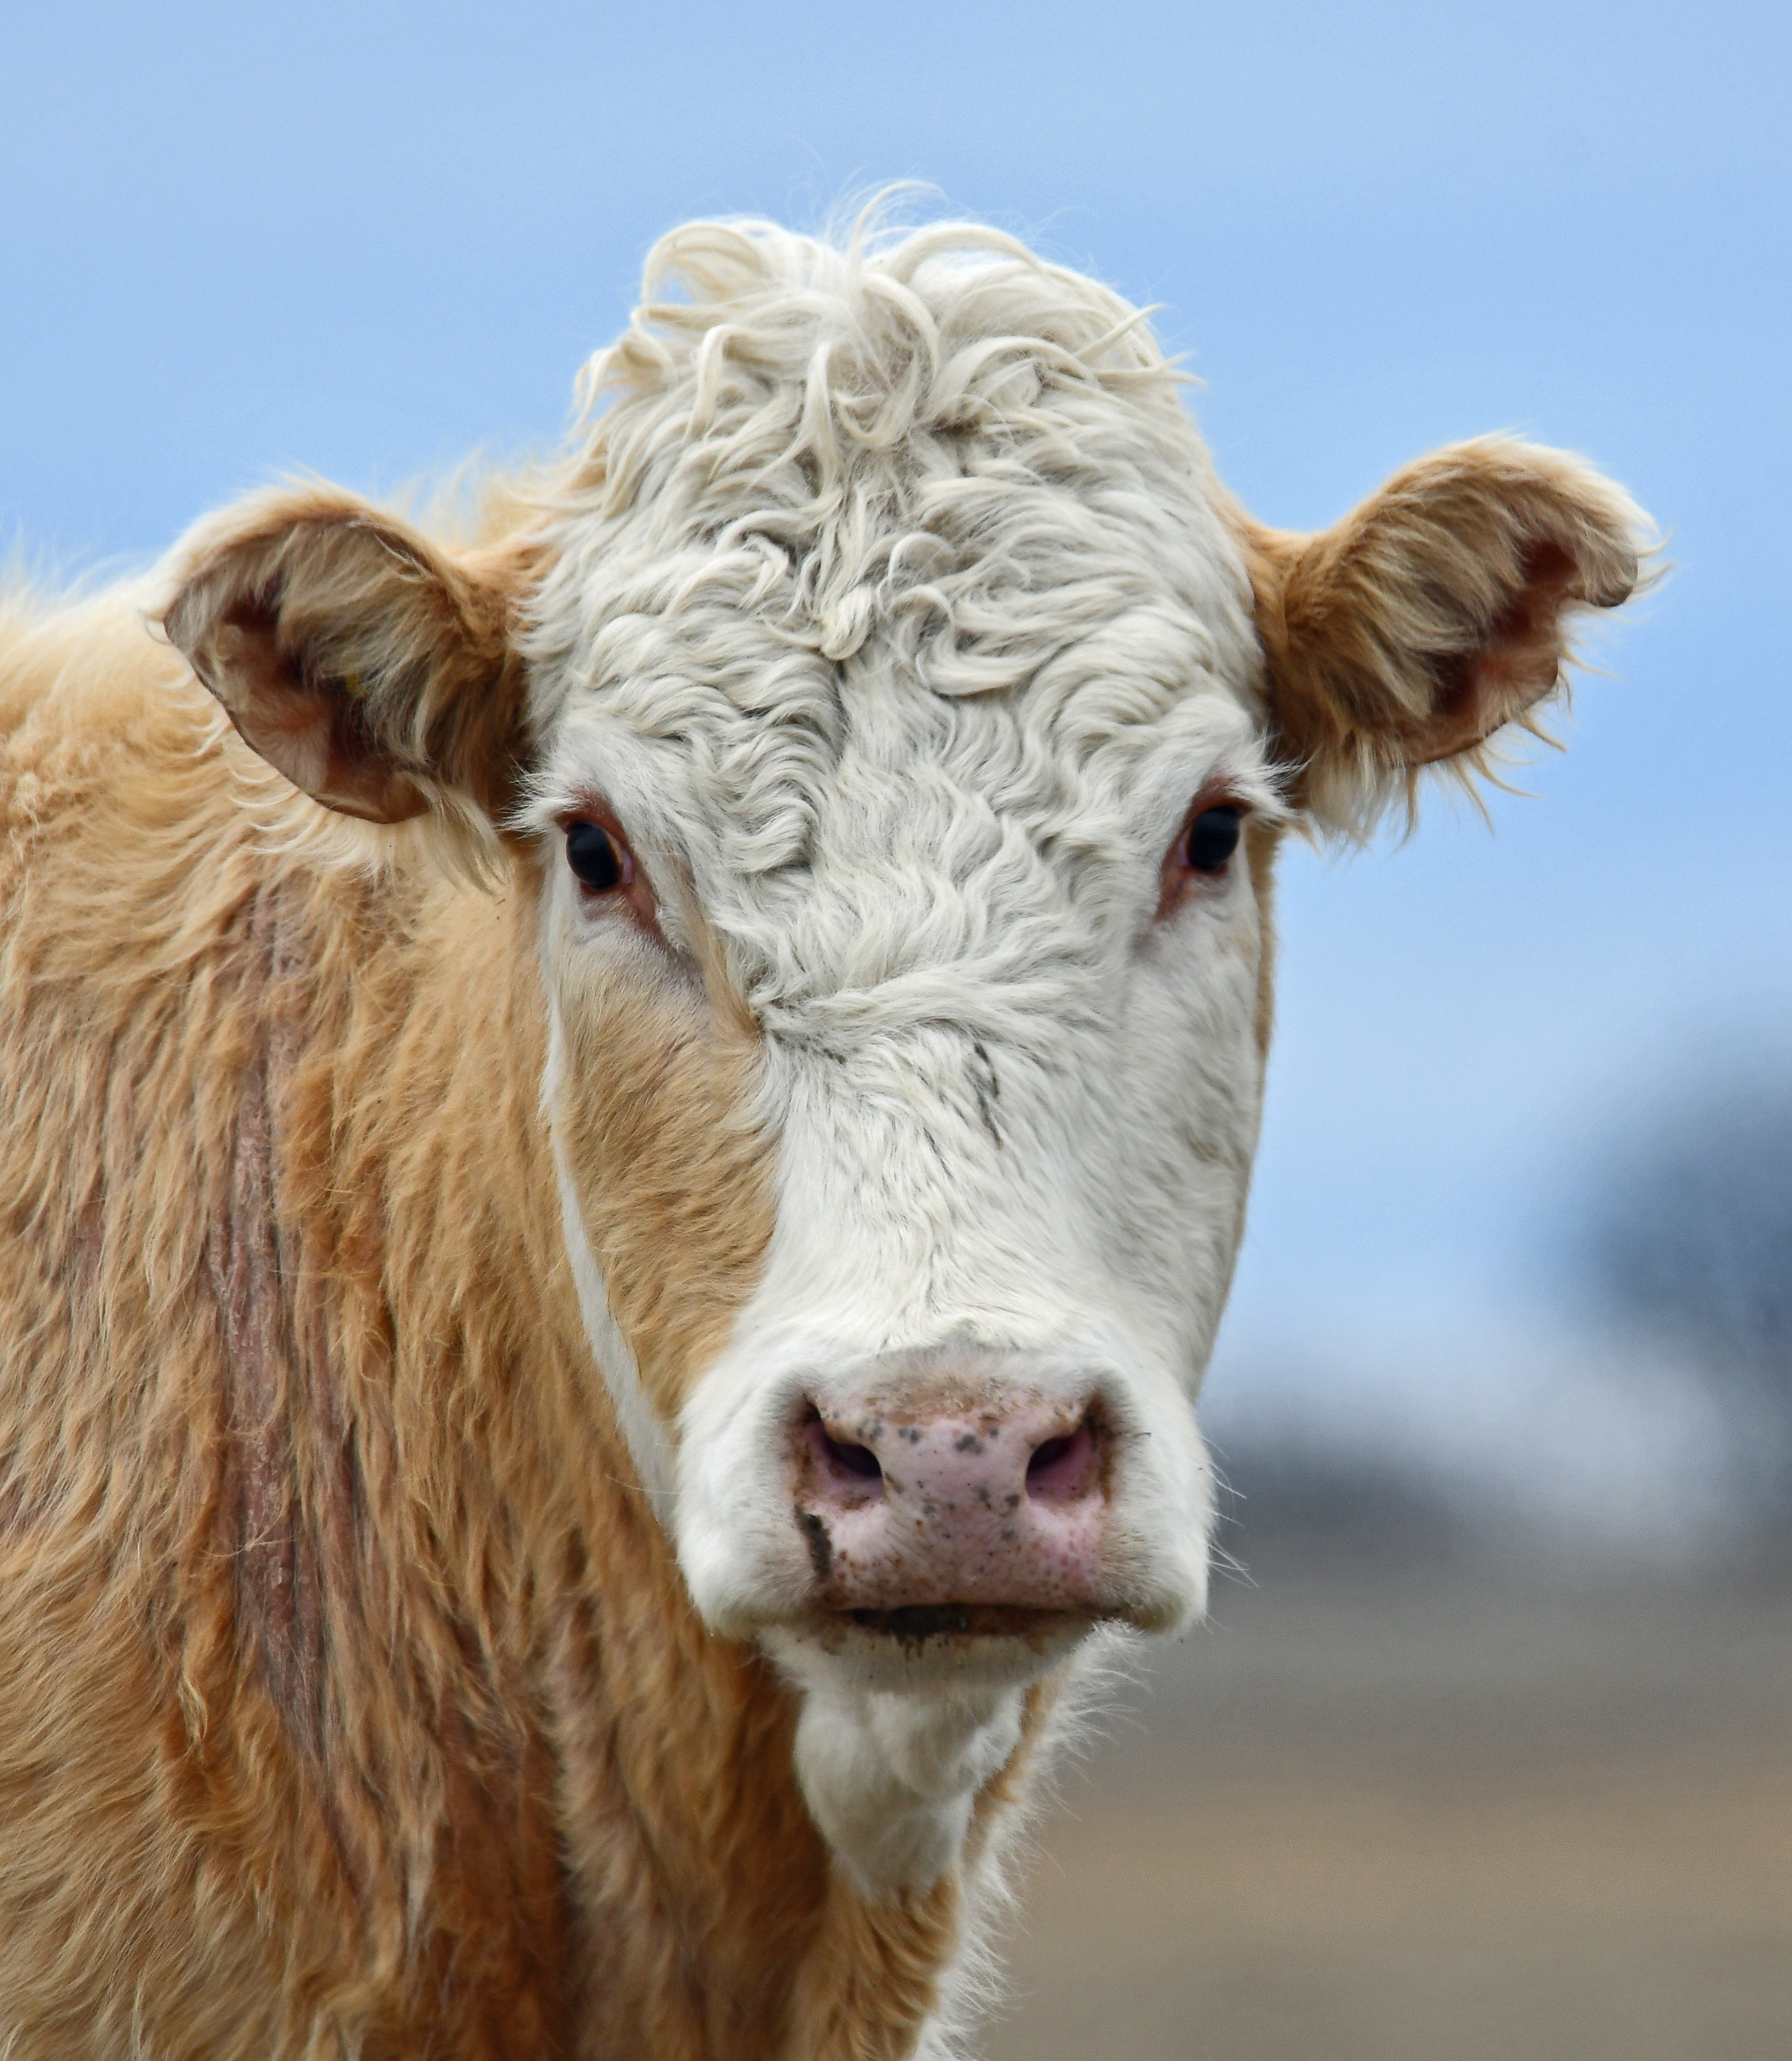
{"points": [[1064, 1468], [856, 1459], [838, 1457]]}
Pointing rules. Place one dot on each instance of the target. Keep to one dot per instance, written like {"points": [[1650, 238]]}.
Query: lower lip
{"points": [[951, 1623]]}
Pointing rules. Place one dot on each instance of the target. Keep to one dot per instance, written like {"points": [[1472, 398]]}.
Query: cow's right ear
{"points": [[1441, 610], [373, 669]]}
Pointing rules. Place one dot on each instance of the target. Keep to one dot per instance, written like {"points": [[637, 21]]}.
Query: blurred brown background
{"points": [[1429, 1813]]}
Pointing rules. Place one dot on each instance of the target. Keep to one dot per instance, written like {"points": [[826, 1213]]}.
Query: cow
{"points": [[624, 1122]]}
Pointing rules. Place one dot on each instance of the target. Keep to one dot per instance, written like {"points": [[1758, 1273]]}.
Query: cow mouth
{"points": [[912, 1645], [913, 1623]]}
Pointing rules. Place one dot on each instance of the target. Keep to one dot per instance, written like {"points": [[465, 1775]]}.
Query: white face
{"points": [[901, 731]]}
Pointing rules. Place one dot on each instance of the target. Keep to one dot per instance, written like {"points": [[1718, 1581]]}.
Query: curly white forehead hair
{"points": [[913, 534]]}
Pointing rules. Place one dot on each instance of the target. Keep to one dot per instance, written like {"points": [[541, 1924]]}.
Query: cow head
{"points": [[898, 722]]}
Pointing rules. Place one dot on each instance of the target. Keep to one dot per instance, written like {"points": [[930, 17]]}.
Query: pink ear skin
{"points": [[371, 667], [1436, 612], [313, 732]]}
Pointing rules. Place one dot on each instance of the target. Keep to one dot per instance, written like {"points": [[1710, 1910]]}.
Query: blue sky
{"points": [[366, 240]]}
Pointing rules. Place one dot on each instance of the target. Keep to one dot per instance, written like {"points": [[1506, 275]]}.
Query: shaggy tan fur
{"points": [[349, 1698], [660, 1085]]}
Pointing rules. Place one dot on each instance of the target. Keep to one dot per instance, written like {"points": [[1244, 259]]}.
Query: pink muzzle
{"points": [[905, 1507]]}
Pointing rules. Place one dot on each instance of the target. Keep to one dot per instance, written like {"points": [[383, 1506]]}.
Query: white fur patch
{"points": [[891, 1776], [893, 610]]}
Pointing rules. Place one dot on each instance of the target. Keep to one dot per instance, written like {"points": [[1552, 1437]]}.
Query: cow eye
{"points": [[599, 858], [1212, 838]]}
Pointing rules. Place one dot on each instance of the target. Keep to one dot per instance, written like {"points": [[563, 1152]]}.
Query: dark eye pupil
{"points": [[592, 854], [1212, 838]]}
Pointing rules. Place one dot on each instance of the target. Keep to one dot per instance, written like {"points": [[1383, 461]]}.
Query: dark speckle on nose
{"points": [[820, 1545], [968, 1441]]}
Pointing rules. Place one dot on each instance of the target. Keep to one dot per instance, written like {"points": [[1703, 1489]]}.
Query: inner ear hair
{"points": [[371, 667], [1434, 614]]}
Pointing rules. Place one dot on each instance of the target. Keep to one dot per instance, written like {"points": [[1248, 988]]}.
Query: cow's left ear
{"points": [[373, 668], [1436, 612]]}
